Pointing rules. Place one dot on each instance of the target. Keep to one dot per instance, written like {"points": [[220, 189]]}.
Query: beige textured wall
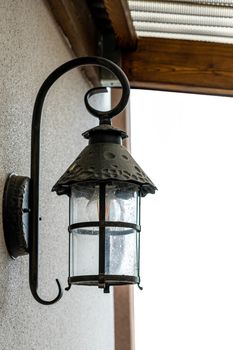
{"points": [[31, 47]]}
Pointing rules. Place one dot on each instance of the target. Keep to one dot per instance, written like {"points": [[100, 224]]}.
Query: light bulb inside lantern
{"points": [[113, 210]]}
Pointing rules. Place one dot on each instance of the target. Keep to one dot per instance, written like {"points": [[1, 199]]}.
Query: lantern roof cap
{"points": [[104, 162], [104, 128]]}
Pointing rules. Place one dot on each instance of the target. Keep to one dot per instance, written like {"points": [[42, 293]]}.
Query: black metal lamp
{"points": [[104, 185]]}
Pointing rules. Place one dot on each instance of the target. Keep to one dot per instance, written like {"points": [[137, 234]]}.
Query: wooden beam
{"points": [[121, 21], [180, 65], [122, 121], [123, 295], [76, 22], [124, 318]]}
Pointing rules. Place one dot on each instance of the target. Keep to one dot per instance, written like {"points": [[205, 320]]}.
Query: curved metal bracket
{"points": [[104, 117]]}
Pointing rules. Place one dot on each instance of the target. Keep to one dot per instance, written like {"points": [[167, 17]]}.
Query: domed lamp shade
{"points": [[104, 185]]}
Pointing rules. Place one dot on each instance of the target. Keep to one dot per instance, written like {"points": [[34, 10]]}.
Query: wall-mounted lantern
{"points": [[104, 185]]}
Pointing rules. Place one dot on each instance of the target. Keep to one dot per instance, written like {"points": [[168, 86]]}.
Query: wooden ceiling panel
{"points": [[180, 65]]}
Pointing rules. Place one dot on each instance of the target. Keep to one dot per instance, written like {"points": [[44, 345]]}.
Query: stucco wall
{"points": [[31, 47]]}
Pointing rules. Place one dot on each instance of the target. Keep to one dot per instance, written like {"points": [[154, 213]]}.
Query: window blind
{"points": [[205, 20]]}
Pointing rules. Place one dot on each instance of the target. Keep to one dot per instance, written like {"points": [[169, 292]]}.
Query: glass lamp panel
{"points": [[84, 251], [84, 204], [121, 251], [122, 203], [84, 241]]}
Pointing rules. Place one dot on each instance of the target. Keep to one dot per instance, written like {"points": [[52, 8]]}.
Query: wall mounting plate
{"points": [[16, 214]]}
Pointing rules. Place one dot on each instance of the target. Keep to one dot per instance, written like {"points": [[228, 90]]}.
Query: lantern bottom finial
{"points": [[103, 281]]}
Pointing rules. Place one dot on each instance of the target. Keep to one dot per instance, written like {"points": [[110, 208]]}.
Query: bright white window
{"points": [[184, 143]]}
